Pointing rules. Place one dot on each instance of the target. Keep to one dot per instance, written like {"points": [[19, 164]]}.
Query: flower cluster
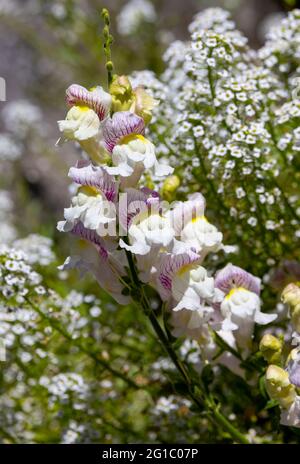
{"points": [[233, 114], [140, 237], [134, 14]]}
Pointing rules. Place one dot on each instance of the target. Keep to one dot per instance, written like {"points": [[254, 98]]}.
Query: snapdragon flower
{"points": [[94, 203], [96, 99], [149, 227], [131, 152], [83, 126], [83, 121], [241, 304]]}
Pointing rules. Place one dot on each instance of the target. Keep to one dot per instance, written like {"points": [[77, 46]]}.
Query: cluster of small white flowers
{"points": [[18, 278], [62, 386], [10, 150], [37, 248], [169, 404], [20, 117], [134, 14], [7, 230], [281, 51], [73, 434], [232, 118], [8, 8]]}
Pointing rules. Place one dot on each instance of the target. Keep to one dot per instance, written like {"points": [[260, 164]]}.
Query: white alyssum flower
{"points": [[134, 14]]}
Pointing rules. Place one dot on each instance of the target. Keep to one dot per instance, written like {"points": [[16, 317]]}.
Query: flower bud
{"points": [[143, 104], [121, 93], [271, 348], [170, 186], [291, 296], [279, 387]]}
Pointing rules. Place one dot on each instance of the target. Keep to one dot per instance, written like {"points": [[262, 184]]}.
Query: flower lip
{"points": [[172, 264], [122, 124], [231, 277], [84, 173], [96, 99]]}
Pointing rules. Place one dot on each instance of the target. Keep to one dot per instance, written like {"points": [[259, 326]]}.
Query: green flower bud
{"points": [[279, 387], [271, 348], [170, 186], [291, 296], [122, 93]]}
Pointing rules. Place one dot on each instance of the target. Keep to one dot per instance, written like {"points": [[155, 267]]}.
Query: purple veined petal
{"points": [[97, 99], [233, 276], [185, 211], [134, 202], [91, 236], [121, 124], [170, 264], [294, 371], [84, 173]]}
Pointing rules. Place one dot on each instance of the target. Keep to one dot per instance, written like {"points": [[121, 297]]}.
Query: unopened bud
{"points": [[279, 387], [271, 348], [122, 93], [291, 296], [170, 186], [143, 104]]}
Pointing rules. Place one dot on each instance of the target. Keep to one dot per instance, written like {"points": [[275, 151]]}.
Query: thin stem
{"points": [[198, 398], [108, 40]]}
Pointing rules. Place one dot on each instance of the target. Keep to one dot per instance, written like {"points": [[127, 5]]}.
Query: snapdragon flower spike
{"points": [[120, 125], [86, 174], [96, 99], [233, 277]]}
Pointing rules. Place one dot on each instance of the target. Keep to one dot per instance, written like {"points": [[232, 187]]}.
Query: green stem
{"points": [[199, 399], [108, 40], [226, 425]]}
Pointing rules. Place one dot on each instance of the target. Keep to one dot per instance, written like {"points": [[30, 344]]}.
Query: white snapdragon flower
{"points": [[291, 415], [83, 121], [193, 228], [96, 99], [94, 204], [202, 236], [190, 286], [131, 152], [182, 280], [241, 310], [81, 124], [90, 208], [107, 270], [149, 230]]}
